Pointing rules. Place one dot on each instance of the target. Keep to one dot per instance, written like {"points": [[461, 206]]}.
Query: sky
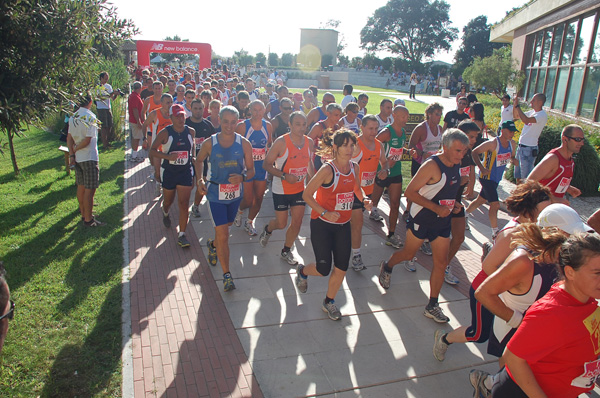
{"points": [[268, 25]]}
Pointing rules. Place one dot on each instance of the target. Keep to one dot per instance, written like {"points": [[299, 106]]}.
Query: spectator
{"points": [[534, 121]]}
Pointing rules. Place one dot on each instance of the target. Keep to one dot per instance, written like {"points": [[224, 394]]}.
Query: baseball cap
{"points": [[509, 124], [177, 110], [563, 217], [399, 101]]}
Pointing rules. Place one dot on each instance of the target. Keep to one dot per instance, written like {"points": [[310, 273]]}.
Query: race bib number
{"points": [[229, 191], [449, 203], [591, 370], [502, 159], [182, 158], [395, 154], [198, 142], [563, 185], [465, 171], [367, 178], [299, 172], [259, 154], [344, 201]]}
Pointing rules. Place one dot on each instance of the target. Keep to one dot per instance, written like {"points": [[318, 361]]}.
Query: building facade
{"points": [[557, 45]]}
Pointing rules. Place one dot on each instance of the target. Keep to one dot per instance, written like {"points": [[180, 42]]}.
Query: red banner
{"points": [[145, 47]]}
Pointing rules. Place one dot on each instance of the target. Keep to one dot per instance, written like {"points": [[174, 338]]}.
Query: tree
{"points": [[287, 59], [414, 29], [343, 60], [273, 59], [49, 48], [475, 43], [261, 58], [243, 58], [495, 72]]}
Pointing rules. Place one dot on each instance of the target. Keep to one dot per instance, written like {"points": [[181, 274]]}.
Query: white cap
{"points": [[563, 217]]}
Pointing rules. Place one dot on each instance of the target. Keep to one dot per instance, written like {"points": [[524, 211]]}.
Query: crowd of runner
{"points": [[215, 130]]}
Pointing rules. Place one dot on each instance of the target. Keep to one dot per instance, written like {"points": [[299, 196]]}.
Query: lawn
{"points": [[65, 338]]}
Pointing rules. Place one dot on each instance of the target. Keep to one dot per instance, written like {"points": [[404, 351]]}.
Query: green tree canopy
{"points": [[47, 55], [287, 59], [495, 72], [262, 58], [475, 43], [273, 59], [414, 29]]}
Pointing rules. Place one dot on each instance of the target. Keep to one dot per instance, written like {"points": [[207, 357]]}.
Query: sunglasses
{"points": [[576, 139], [11, 313], [286, 108]]}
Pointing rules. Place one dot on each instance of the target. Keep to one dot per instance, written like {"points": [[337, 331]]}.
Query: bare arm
{"points": [[544, 169], [325, 174], [524, 377], [482, 148], [161, 139], [248, 162], [204, 152], [427, 172]]}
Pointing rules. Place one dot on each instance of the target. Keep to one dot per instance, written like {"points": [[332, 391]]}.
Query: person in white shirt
{"points": [[104, 93], [506, 111], [534, 121], [348, 97]]}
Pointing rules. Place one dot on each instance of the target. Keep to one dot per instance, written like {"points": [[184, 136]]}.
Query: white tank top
{"points": [[432, 143]]}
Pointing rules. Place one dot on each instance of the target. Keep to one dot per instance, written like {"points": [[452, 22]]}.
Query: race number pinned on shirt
{"points": [[591, 370], [367, 178], [229, 191], [198, 142], [465, 171], [344, 201], [259, 154], [449, 203], [563, 185], [182, 158], [299, 172], [502, 159], [395, 154]]}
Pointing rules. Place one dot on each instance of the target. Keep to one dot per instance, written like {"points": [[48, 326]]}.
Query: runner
{"points": [[289, 161], [177, 142], [272, 109], [213, 118], [335, 185], [454, 117], [368, 155], [204, 129], [260, 133], [324, 127], [320, 112], [432, 189], [556, 169], [385, 113], [363, 100], [281, 122], [351, 120], [393, 137], [158, 119], [498, 153], [228, 154]]}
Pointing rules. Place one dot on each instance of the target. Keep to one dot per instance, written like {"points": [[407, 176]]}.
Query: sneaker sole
{"points": [[294, 263], [475, 384], [428, 315], [436, 338], [390, 245], [183, 245], [451, 282]]}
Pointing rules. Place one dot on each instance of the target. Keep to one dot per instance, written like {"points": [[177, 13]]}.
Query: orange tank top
{"points": [[152, 105], [337, 195], [161, 122], [368, 161], [294, 161]]}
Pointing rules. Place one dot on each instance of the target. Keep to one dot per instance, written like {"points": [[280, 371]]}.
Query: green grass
{"points": [[65, 339]]}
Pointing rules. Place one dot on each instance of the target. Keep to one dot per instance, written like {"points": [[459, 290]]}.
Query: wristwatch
{"points": [[244, 176], [283, 176]]}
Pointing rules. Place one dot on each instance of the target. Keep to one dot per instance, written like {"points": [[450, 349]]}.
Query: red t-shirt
{"points": [[134, 102], [561, 180], [560, 340]]}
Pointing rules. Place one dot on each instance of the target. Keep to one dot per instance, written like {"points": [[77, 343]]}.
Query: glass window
{"points": [[550, 85], [583, 44], [558, 34], [590, 92], [574, 89], [528, 51], [596, 50], [537, 49], [539, 87], [561, 85], [569, 43], [531, 84], [546, 46]]}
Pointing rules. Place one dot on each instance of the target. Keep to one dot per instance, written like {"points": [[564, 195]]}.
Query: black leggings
{"points": [[412, 91], [505, 387], [330, 240]]}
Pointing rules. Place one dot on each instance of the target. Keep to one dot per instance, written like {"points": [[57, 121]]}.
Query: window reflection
{"points": [[561, 85], [567, 52], [558, 35], [546, 47], [550, 84], [590, 92], [583, 44], [574, 89]]}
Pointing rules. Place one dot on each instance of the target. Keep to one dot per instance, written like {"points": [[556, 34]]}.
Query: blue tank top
{"points": [[496, 161], [322, 115], [442, 192], [221, 163], [274, 108], [259, 140], [182, 144]]}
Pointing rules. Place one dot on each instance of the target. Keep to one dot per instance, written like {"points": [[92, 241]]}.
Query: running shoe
{"points": [[263, 239], [301, 281], [357, 263], [410, 265], [238, 219], [450, 278], [439, 347], [477, 379], [228, 284], [166, 220], [332, 310], [183, 242], [375, 216], [436, 314], [212, 253], [196, 211], [467, 226], [393, 241], [288, 256], [385, 278], [94, 222], [426, 248], [249, 227]]}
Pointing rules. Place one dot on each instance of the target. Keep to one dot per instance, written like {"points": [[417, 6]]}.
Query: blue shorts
{"points": [[260, 174], [423, 232], [170, 179], [489, 190], [223, 213]]}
